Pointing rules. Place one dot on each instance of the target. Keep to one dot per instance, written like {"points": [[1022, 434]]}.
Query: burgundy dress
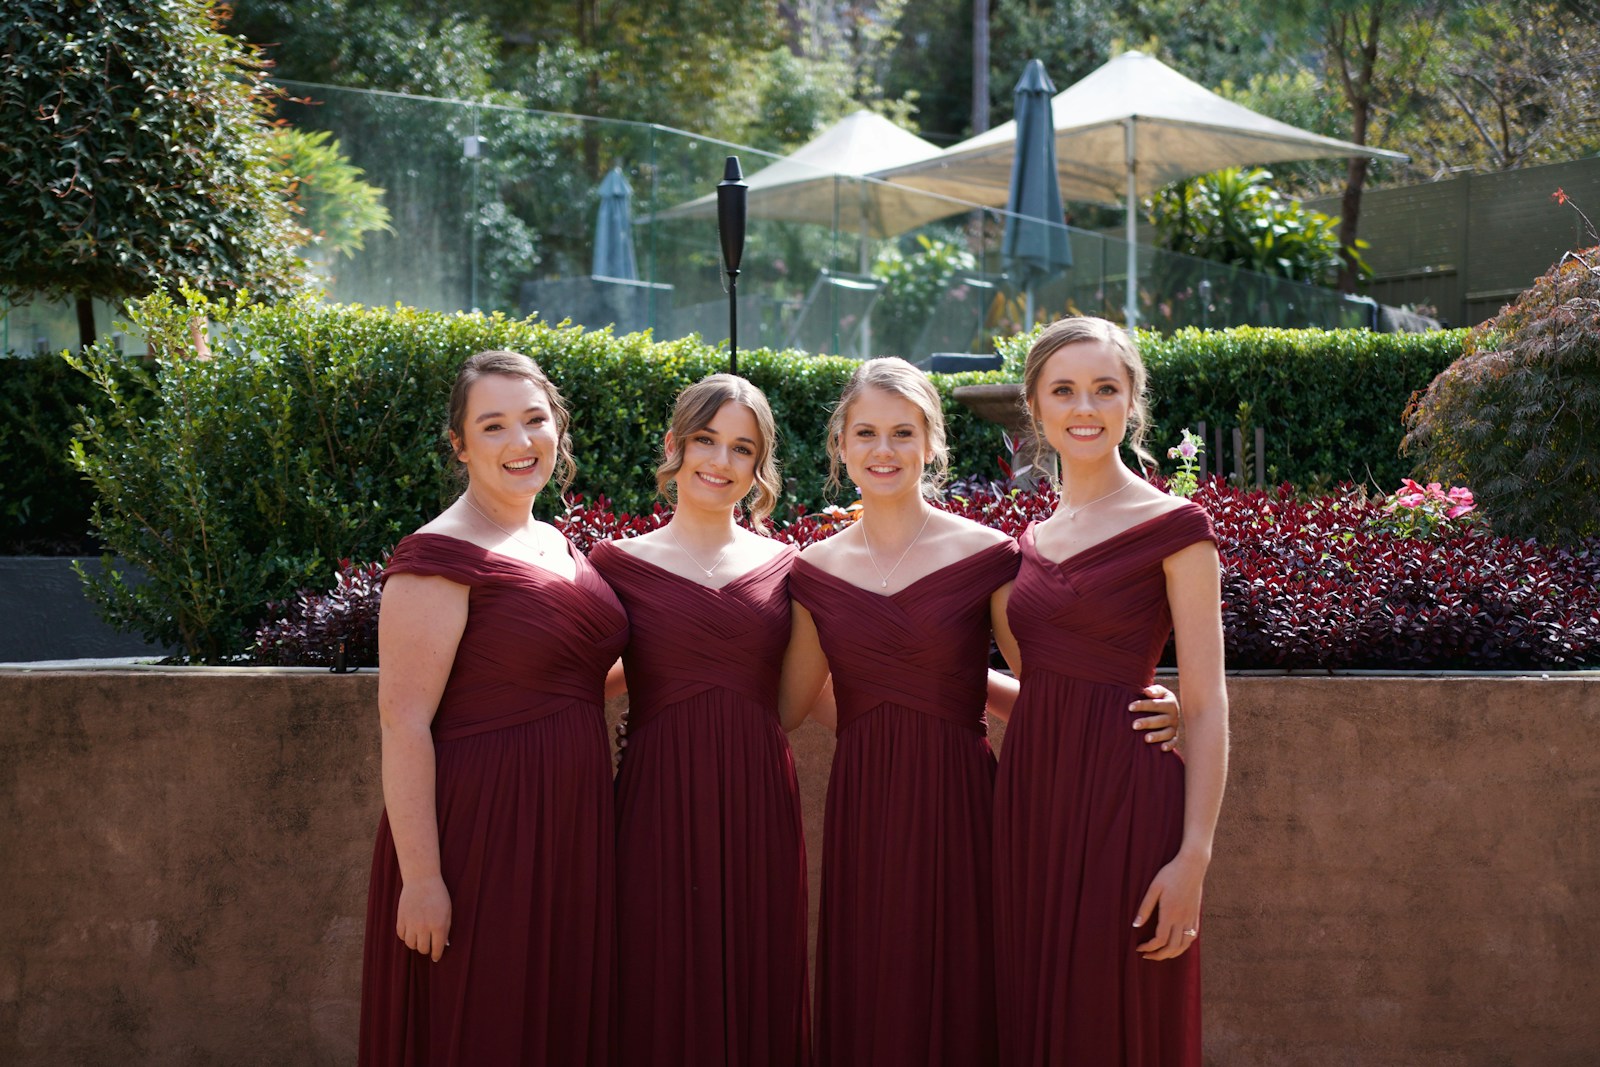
{"points": [[711, 869], [525, 830], [1086, 813], [905, 963]]}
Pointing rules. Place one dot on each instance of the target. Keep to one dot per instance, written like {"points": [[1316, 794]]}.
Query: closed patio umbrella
{"points": [[1035, 245], [613, 230]]}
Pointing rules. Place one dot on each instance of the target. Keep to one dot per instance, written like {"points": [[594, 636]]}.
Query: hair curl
{"points": [[510, 365], [696, 406]]}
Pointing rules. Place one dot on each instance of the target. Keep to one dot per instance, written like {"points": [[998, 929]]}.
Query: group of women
{"points": [[1042, 912]]}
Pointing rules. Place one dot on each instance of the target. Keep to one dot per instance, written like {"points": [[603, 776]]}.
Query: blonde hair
{"points": [[895, 376], [1080, 328], [511, 365], [696, 406]]}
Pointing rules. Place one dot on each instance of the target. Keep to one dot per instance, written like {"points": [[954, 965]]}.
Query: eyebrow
{"points": [[487, 415], [712, 430], [873, 425], [1097, 381]]}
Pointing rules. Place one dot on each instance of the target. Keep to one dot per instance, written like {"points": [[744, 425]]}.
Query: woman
{"points": [[898, 605], [710, 850], [490, 909], [1101, 845]]}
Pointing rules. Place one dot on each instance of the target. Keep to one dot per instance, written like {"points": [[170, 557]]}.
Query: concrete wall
{"points": [[1407, 873]]}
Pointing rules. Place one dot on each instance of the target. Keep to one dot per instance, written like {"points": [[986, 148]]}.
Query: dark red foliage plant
{"points": [[1312, 584], [309, 629]]}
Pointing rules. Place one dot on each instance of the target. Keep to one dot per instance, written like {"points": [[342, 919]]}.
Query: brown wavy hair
{"points": [[1071, 331], [693, 411], [511, 365]]}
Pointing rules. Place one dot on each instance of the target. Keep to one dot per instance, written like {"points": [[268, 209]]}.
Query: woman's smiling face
{"points": [[1082, 400], [885, 443], [509, 436], [719, 459]]}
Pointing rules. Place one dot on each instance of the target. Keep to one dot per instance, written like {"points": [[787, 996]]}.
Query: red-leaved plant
{"points": [[1311, 584]]}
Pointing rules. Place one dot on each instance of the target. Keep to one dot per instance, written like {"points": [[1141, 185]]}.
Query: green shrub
{"points": [[1235, 216], [1517, 417], [314, 435], [912, 287], [44, 502], [1330, 402]]}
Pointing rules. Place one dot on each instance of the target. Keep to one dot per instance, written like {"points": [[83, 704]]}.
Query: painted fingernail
{"points": [[1138, 921]]}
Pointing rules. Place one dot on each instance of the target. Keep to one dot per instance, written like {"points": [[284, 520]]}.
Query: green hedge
{"points": [[44, 502], [1330, 401], [315, 435]]}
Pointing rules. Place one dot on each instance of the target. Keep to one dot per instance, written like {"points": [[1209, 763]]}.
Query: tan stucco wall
{"points": [[1408, 870]]}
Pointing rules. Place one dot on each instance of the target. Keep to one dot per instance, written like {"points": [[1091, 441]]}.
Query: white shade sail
{"points": [[826, 182], [1123, 132], [1180, 129]]}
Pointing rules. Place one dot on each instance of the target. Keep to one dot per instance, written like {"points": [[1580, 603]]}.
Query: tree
{"points": [[137, 148], [336, 208], [1515, 88], [1373, 51]]}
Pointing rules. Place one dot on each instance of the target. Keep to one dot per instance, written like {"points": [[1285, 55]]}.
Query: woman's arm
{"points": [[1195, 597], [1161, 724], [616, 681], [419, 627], [805, 669]]}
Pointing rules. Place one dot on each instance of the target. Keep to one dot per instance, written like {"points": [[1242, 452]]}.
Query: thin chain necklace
{"points": [[714, 563], [885, 577], [467, 496], [1073, 512]]}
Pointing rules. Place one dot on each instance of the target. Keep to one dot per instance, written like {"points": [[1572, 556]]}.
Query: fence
{"points": [[495, 208], [1467, 246]]}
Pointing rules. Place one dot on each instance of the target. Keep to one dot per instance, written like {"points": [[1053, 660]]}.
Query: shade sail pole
{"points": [[1130, 307]]}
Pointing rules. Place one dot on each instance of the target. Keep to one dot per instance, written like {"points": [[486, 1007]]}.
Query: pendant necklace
{"points": [[885, 577], [467, 496], [1072, 512], [714, 563]]}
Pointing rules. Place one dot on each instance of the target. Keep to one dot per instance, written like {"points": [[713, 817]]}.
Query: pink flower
{"points": [[1410, 500], [1460, 494], [1187, 449]]}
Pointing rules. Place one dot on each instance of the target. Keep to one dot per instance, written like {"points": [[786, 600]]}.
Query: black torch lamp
{"points": [[731, 192]]}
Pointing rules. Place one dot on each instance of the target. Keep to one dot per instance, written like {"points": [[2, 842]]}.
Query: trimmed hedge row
{"points": [[1330, 401], [314, 435]]}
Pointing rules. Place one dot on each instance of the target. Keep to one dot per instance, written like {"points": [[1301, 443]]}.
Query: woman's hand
{"points": [[1174, 895], [423, 918], [1162, 726]]}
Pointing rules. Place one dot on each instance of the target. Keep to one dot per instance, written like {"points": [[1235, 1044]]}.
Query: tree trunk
{"points": [[980, 66], [1349, 214], [85, 308], [1357, 86]]}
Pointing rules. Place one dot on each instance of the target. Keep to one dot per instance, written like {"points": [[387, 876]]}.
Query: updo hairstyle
{"points": [[895, 376]]}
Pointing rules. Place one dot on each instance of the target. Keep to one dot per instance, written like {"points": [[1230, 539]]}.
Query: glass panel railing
{"points": [[498, 208]]}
